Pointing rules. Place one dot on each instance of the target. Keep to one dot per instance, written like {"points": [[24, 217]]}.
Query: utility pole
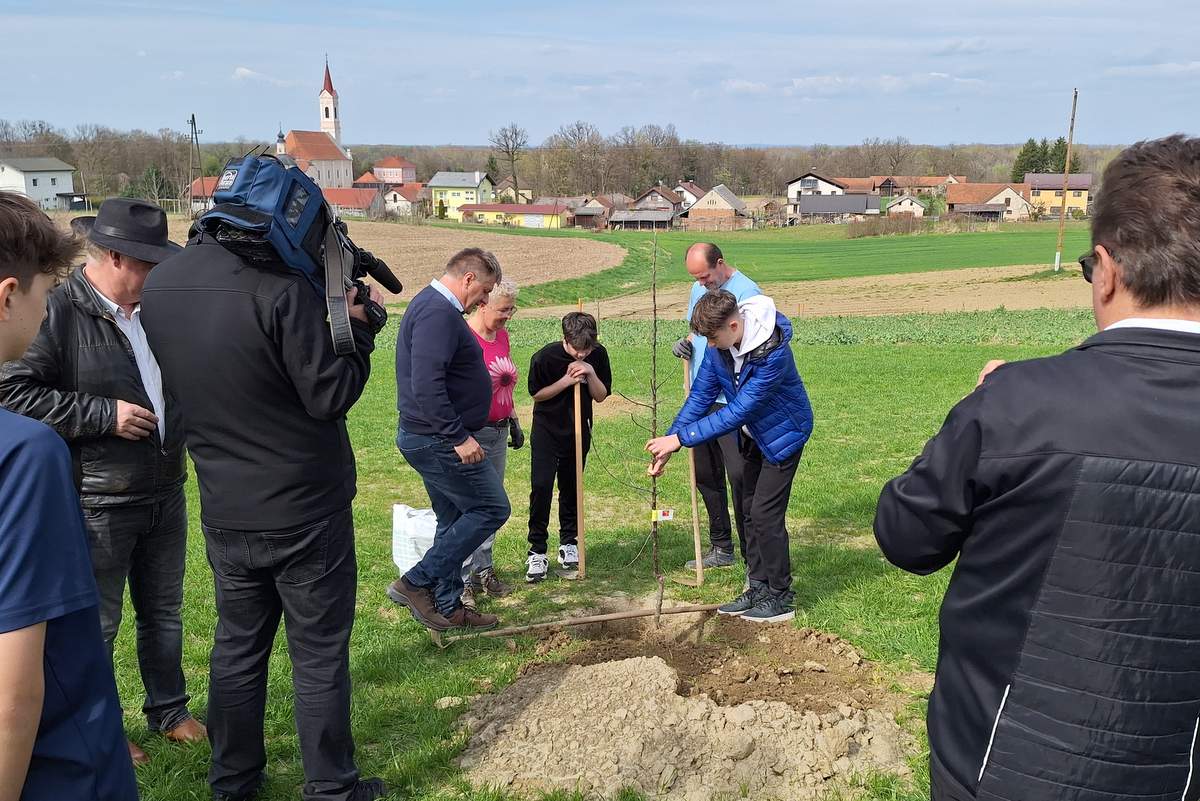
{"points": [[195, 166], [1062, 211]]}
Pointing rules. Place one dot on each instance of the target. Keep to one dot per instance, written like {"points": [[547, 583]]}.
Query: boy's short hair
{"points": [[579, 330], [713, 310], [30, 242]]}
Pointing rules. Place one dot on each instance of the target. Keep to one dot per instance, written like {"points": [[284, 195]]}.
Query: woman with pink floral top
{"points": [[488, 323]]}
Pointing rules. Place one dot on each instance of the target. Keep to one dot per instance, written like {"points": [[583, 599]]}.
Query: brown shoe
{"points": [[492, 584], [420, 603], [464, 618], [190, 731], [137, 755]]}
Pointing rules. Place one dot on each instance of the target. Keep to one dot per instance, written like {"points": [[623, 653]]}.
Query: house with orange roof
{"points": [[201, 194], [992, 201], [403, 199], [395, 170], [350, 202]]}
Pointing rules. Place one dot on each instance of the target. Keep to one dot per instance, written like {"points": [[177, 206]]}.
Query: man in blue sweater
{"points": [[444, 394], [750, 360], [718, 458]]}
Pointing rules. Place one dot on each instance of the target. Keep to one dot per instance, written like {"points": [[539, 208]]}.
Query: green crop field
{"points": [[879, 388], [807, 253]]}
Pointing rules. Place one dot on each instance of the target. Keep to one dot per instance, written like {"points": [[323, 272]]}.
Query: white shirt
{"points": [[446, 293], [1183, 326], [147, 365]]}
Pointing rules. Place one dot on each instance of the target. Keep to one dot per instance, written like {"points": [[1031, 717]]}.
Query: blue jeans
{"points": [[146, 546], [494, 441], [470, 505]]}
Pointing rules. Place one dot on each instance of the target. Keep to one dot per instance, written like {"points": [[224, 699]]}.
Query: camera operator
{"points": [[246, 350]]}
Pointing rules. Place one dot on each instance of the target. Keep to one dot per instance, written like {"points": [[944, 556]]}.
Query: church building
{"points": [[320, 153]]}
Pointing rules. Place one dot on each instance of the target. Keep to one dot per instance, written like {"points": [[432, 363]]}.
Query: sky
{"points": [[763, 72]]}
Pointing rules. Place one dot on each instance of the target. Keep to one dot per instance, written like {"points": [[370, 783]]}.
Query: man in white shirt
{"points": [[91, 376]]}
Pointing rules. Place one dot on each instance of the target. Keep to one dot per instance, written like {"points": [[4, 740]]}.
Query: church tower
{"points": [[331, 122]]}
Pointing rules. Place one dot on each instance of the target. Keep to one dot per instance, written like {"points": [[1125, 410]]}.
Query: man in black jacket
{"points": [[91, 376], [444, 393], [1068, 489], [246, 350]]}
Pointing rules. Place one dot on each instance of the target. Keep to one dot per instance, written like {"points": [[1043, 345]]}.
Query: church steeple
{"points": [[331, 122]]}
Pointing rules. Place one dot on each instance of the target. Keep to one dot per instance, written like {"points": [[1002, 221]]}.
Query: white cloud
{"points": [[962, 47], [740, 86], [833, 85], [1153, 70], [173, 75], [247, 74]]}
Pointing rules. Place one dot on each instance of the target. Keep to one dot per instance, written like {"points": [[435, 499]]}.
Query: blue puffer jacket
{"points": [[768, 399]]}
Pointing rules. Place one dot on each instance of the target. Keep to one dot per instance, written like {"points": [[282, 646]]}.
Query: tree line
{"points": [[576, 159]]}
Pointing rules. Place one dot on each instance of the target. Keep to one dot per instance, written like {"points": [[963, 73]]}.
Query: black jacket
{"points": [[71, 377], [1068, 488], [248, 354], [442, 385]]}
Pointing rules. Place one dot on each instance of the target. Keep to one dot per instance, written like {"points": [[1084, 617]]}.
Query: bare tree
{"points": [[510, 142], [896, 154]]}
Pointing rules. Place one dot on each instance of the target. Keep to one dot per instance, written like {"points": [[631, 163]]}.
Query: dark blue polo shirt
{"points": [[46, 577]]}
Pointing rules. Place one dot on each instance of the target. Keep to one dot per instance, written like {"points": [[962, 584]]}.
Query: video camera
{"points": [[271, 214]]}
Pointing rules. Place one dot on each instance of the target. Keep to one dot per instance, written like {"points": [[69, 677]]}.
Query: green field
{"points": [[806, 253], [879, 388]]}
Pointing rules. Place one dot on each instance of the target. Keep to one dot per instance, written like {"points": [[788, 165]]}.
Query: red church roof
{"points": [[328, 87], [313, 146]]}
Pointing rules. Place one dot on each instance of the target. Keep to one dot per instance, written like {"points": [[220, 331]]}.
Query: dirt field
{"points": [[975, 289], [417, 254], [703, 708]]}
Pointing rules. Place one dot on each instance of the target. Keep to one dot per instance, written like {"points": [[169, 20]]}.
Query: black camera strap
{"points": [[335, 292]]}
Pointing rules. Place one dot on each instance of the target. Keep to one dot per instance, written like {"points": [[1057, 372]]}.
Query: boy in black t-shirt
{"points": [[553, 373]]}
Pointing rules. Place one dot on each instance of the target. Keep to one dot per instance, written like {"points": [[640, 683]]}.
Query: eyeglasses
{"points": [[1088, 262]]}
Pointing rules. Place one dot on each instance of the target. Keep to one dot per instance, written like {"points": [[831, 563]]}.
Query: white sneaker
{"points": [[568, 557], [537, 565]]}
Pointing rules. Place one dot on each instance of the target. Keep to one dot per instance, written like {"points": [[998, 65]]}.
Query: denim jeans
{"points": [[470, 505], [494, 441], [146, 544], [309, 576]]}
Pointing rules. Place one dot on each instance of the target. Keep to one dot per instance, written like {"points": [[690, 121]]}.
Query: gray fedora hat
{"points": [[134, 228]]}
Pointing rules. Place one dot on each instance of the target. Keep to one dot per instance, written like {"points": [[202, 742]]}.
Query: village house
{"points": [[719, 208], [201, 194], [47, 181], [999, 201], [350, 202], [320, 153], [858, 186], [594, 214], [403, 199], [395, 170], [812, 184], [1046, 192], [906, 204], [450, 190], [572, 202], [765, 210], [519, 215], [507, 191], [368, 180], [659, 198], [641, 219], [689, 193], [890, 185], [831, 208]]}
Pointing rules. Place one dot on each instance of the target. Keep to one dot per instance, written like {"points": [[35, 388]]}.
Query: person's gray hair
{"points": [[503, 289], [477, 260]]}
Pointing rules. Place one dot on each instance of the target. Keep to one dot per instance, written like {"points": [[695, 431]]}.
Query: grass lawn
{"points": [[808, 253], [879, 388]]}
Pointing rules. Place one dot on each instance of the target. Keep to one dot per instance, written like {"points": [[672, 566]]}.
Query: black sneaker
{"points": [[245, 795], [368, 790], [714, 557], [773, 607], [746, 601]]}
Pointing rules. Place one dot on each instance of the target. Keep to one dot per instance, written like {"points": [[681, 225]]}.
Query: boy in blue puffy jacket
{"points": [[749, 358]]}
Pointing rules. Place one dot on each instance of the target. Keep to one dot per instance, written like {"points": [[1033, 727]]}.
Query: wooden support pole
{"points": [[581, 541], [687, 390], [1062, 211]]}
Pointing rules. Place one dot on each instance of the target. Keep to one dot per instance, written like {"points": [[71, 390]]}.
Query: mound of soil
{"points": [[693, 711]]}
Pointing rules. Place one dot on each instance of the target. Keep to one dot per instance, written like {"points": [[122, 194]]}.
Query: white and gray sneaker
{"points": [[568, 557], [537, 565]]}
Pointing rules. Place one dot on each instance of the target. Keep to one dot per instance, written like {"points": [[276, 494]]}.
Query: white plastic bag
{"points": [[412, 535]]}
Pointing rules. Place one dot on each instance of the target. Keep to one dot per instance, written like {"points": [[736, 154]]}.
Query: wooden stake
{"points": [[579, 521], [687, 390], [1062, 211]]}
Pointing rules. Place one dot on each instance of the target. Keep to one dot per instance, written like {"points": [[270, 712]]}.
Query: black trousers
{"points": [[766, 490], [309, 576], [715, 460], [553, 457]]}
